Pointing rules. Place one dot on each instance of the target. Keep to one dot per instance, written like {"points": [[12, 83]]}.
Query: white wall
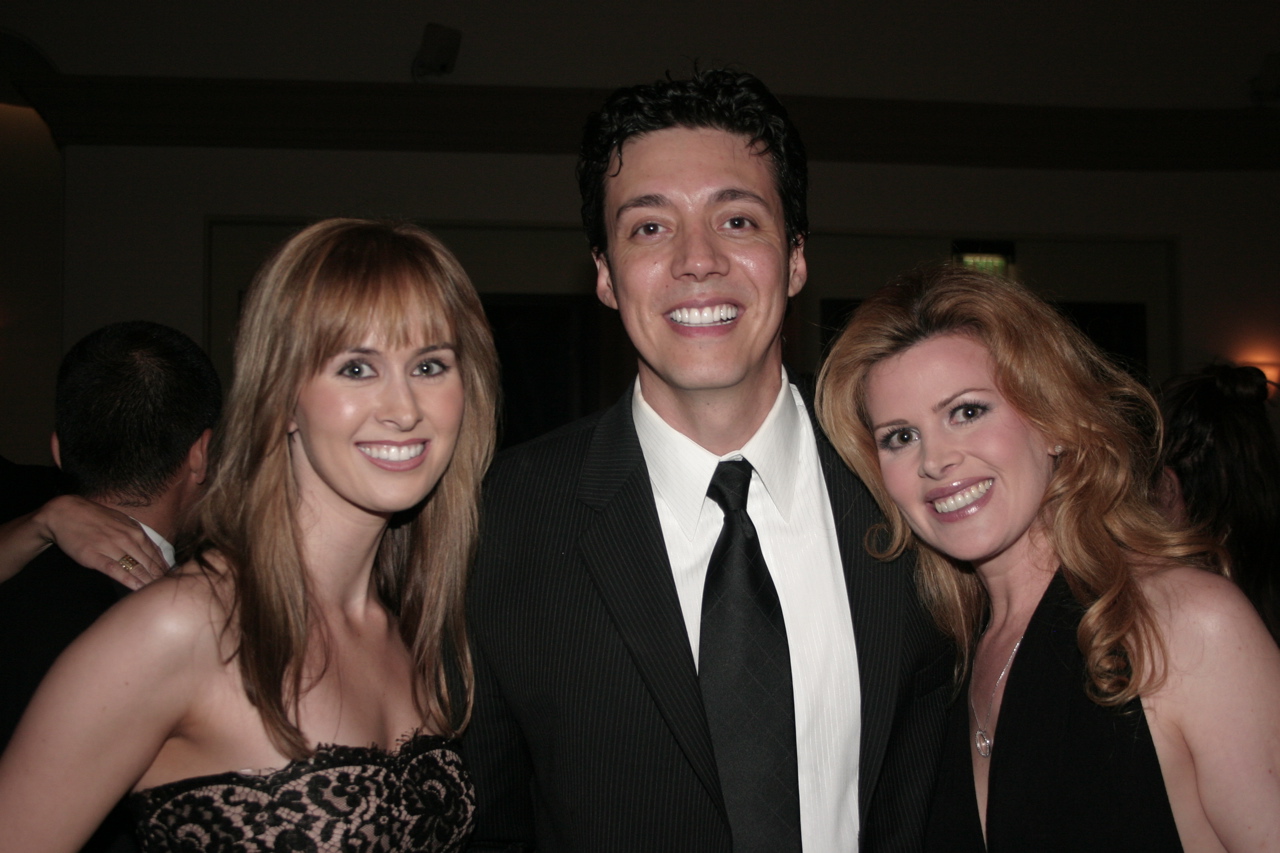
{"points": [[135, 221], [136, 234], [1226, 227]]}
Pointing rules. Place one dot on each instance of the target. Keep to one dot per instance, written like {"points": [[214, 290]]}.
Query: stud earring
{"points": [[1057, 449]]}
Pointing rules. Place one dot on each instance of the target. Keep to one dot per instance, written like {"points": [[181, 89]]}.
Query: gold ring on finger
{"points": [[128, 564]]}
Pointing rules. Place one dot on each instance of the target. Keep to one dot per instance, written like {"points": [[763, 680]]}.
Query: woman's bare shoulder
{"points": [[1189, 603], [1215, 649], [1215, 718], [180, 613], [116, 695]]}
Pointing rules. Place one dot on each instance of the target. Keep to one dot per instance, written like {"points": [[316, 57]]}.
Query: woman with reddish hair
{"points": [[1114, 692]]}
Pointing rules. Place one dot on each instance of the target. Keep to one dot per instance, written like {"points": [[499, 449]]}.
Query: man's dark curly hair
{"points": [[732, 101]]}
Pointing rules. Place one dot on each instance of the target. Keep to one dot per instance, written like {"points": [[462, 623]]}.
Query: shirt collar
{"points": [[166, 550], [681, 470]]}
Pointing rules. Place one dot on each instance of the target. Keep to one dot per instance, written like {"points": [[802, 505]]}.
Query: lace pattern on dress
{"points": [[343, 799]]}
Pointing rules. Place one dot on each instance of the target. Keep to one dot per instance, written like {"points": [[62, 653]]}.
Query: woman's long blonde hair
{"points": [[326, 290], [1097, 511]]}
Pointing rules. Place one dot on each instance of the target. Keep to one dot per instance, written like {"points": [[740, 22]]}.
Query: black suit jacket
{"points": [[588, 732]]}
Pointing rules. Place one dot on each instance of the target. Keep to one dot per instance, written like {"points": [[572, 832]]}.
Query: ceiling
{"points": [[1138, 85], [1163, 54]]}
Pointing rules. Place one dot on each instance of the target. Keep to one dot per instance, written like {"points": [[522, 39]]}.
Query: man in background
{"points": [[135, 406]]}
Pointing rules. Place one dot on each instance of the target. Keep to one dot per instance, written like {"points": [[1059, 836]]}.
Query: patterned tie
{"points": [[745, 672]]}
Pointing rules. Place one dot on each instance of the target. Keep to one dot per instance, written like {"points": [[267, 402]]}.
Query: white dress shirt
{"points": [[166, 550], [791, 510]]}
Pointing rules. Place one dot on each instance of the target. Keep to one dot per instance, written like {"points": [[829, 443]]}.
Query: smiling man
{"points": [[680, 641], [700, 264]]}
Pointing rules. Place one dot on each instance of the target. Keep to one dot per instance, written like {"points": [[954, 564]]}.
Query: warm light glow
{"points": [[1272, 369], [1265, 359]]}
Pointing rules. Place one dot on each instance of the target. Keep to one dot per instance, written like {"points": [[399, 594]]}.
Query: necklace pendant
{"points": [[981, 738], [982, 741]]}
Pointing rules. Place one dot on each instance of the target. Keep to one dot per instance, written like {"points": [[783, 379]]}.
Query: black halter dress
{"points": [[1066, 774]]}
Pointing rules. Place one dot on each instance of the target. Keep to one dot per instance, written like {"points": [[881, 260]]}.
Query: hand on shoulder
{"points": [[93, 535]]}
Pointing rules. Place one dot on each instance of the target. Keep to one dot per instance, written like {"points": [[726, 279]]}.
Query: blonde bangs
{"points": [[374, 290]]}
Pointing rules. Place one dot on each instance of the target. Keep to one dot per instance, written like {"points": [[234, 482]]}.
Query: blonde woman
{"points": [[1115, 695], [299, 682]]}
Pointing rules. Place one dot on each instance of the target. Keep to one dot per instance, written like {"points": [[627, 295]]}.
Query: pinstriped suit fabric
{"points": [[588, 732]]}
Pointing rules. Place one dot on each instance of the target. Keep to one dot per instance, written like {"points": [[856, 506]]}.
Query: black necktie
{"points": [[745, 672]]}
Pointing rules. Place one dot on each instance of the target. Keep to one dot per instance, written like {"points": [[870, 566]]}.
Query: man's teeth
{"points": [[393, 452], [707, 316], [962, 499]]}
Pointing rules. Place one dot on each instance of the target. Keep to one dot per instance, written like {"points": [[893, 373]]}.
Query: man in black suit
{"points": [[595, 727], [135, 403]]}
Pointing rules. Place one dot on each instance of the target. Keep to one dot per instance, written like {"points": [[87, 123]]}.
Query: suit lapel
{"points": [[624, 552], [870, 587]]}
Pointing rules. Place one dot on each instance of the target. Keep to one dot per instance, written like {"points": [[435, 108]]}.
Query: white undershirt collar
{"points": [[681, 469], [166, 549]]}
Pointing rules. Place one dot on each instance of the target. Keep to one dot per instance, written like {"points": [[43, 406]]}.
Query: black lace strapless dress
{"points": [[416, 798]]}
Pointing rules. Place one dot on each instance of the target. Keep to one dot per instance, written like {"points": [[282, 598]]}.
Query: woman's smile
{"points": [[395, 456], [957, 498]]}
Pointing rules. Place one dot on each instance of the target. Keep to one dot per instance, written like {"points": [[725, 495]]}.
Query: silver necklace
{"points": [[981, 738]]}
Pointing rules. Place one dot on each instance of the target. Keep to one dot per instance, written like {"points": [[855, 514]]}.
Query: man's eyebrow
{"points": [[737, 194], [650, 200], [657, 200]]}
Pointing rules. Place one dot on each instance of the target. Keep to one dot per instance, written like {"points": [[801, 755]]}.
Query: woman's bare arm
{"points": [[1221, 703], [101, 716], [89, 533]]}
